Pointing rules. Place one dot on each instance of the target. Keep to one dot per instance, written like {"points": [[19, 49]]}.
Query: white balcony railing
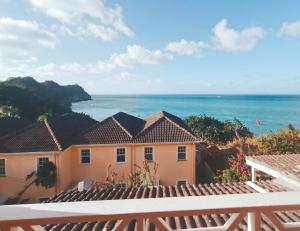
{"points": [[34, 216]]}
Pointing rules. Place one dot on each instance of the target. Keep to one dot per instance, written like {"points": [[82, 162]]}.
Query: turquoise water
{"points": [[275, 111]]}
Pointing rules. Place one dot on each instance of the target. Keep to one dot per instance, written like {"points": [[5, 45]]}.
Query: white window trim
{"points": [[186, 181], [37, 161], [80, 160], [5, 167], [121, 185], [153, 153], [116, 155], [186, 153], [39, 199]]}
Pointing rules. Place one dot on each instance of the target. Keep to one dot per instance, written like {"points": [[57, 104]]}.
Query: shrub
{"points": [[215, 131]]}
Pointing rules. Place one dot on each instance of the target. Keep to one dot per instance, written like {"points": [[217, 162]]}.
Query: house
{"points": [[252, 205], [83, 149]]}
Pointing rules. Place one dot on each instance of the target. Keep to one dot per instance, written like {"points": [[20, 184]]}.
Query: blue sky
{"points": [[155, 47]]}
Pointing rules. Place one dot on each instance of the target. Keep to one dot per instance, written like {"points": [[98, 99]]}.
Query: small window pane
{"points": [[181, 183], [148, 153], [42, 161], [43, 199], [121, 155], [181, 153], [120, 185], [85, 156], [2, 167]]}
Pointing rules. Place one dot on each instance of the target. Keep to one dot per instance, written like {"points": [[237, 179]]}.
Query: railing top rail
{"points": [[172, 206]]}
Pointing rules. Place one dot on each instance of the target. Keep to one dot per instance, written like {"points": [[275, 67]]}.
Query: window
{"points": [[85, 156], [2, 167], [43, 199], [181, 153], [181, 183], [148, 153], [120, 185], [121, 155], [41, 161]]}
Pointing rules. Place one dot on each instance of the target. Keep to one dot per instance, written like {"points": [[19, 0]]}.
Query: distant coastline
{"points": [[275, 111]]}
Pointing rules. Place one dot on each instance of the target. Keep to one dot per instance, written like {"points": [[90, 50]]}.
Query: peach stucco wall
{"points": [[101, 158], [164, 154], [17, 168], [70, 171]]}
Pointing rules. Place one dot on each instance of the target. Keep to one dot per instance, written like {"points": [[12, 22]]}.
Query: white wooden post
{"points": [[251, 221], [253, 174]]}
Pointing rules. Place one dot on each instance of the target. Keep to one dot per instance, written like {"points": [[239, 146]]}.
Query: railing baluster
{"points": [[140, 223], [274, 220], [231, 224], [121, 225], [5, 228], [160, 224], [27, 228]]}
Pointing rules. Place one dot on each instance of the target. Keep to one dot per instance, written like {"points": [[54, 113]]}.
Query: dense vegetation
{"points": [[283, 141], [27, 98], [216, 131]]}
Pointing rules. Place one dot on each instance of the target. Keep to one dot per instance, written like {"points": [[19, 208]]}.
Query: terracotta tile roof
{"points": [[54, 134], [124, 128], [60, 132], [287, 164], [165, 127], [68, 126], [10, 125], [107, 131], [33, 138], [131, 123], [168, 191]]}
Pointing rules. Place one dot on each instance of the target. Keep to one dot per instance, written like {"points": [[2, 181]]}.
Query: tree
{"points": [[215, 131], [45, 177], [9, 111]]}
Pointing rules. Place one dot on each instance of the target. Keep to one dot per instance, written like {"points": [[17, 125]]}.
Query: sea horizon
{"points": [[275, 111]]}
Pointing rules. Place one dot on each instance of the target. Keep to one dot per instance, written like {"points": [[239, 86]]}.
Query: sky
{"points": [[154, 47]]}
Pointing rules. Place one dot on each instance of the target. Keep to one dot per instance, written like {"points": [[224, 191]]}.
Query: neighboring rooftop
{"points": [[170, 191], [287, 164], [33, 138], [60, 132], [10, 125]]}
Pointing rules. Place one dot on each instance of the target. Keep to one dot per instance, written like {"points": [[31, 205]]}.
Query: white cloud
{"points": [[135, 55], [139, 55], [89, 17], [233, 40], [291, 29], [184, 47], [19, 39]]}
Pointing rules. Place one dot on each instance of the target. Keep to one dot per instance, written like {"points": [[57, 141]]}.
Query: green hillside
{"points": [[27, 98]]}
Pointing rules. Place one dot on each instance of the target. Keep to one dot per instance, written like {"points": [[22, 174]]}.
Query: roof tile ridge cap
{"points": [[97, 123], [120, 125], [183, 129], [52, 135], [150, 126]]}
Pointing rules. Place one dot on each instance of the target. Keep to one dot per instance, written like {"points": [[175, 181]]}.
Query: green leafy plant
{"points": [[215, 131], [45, 176], [145, 175]]}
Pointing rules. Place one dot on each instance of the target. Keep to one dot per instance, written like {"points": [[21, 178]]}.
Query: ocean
{"points": [[275, 111]]}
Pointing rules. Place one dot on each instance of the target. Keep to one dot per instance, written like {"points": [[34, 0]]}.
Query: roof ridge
{"points": [[122, 127], [147, 128], [180, 127], [53, 135]]}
